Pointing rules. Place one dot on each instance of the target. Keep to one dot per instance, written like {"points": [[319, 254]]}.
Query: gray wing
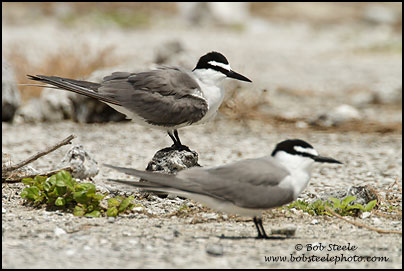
{"points": [[165, 96], [86, 88], [251, 183]]}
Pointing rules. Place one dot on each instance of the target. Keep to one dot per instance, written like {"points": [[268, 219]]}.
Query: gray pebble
{"points": [[214, 249]]}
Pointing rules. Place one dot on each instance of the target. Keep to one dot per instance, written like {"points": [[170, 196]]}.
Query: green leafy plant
{"points": [[341, 207], [61, 191], [119, 205]]}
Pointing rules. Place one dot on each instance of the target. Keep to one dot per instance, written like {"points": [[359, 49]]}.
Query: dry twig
{"points": [[360, 224], [40, 154], [9, 175]]}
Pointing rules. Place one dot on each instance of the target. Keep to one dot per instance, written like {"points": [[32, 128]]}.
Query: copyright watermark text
{"points": [[328, 257]]}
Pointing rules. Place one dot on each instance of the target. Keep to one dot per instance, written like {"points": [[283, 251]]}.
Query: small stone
{"points": [[111, 219], [314, 222], [138, 209], [171, 160], [365, 215], [210, 215], [3, 211], [301, 124], [288, 230], [58, 231], [82, 164], [214, 249], [11, 98], [336, 116], [70, 252], [376, 221]]}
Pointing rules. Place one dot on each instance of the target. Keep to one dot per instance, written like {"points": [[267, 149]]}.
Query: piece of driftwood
{"points": [[362, 225], [9, 172]]}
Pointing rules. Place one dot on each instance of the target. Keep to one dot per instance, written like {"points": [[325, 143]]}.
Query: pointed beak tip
{"points": [[235, 75], [323, 159]]}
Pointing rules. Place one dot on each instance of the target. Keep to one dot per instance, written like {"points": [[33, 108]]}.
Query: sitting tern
{"points": [[167, 98], [246, 187]]}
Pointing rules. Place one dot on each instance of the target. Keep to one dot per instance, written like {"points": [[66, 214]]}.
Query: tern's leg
{"points": [[259, 222], [177, 137], [177, 142], [260, 228]]}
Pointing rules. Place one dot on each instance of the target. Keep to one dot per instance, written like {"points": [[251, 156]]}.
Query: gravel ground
{"points": [[306, 69], [153, 237]]}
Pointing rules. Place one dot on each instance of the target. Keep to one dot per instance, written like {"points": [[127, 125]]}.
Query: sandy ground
{"points": [[152, 238], [305, 69]]}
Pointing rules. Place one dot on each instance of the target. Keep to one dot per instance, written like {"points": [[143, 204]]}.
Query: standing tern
{"points": [[168, 98]]}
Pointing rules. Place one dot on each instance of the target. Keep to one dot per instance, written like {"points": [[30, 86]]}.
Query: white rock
{"points": [[58, 231], [214, 249], [344, 113], [70, 252], [214, 12], [210, 215], [365, 215], [376, 221], [11, 98], [377, 13], [83, 165], [314, 222], [138, 209]]}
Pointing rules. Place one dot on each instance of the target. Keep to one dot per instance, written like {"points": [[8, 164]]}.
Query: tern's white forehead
{"points": [[221, 65], [306, 150]]}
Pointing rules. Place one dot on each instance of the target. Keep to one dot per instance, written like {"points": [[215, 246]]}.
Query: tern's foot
{"points": [[180, 148], [260, 236]]}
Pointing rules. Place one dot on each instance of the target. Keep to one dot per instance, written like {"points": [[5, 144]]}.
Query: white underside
{"points": [[218, 205]]}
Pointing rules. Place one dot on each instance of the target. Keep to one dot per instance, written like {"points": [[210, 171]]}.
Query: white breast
{"points": [[210, 82]]}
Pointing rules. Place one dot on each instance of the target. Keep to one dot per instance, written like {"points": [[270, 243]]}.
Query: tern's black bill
{"points": [[235, 75], [323, 159]]}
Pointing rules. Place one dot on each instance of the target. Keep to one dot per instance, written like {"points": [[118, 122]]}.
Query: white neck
{"points": [[211, 83], [209, 76], [300, 170]]}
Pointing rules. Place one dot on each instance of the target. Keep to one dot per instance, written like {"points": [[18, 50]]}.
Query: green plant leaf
{"points": [[89, 187], [40, 179], [81, 197], [50, 184], [79, 211], [347, 200], [63, 175], [113, 202], [124, 204], [28, 181], [60, 182], [370, 205], [112, 211], [60, 201], [94, 213], [31, 193], [98, 197], [60, 190], [356, 206], [337, 202]]}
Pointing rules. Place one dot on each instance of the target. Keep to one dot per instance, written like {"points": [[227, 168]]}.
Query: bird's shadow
{"points": [[271, 237]]}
